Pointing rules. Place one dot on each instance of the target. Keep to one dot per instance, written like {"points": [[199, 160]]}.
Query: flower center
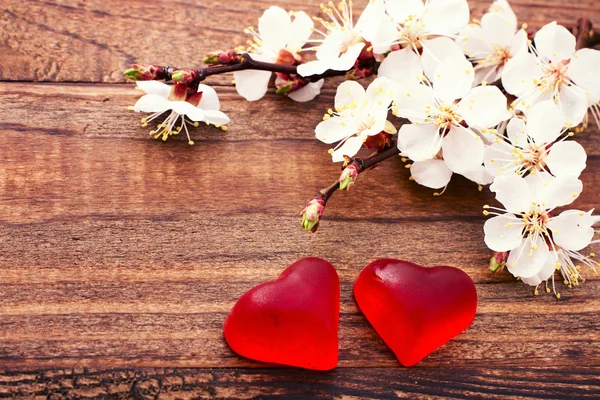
{"points": [[555, 75], [535, 221], [532, 158], [445, 116], [412, 32]]}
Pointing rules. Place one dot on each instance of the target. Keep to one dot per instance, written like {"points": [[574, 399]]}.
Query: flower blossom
{"points": [[444, 111], [343, 40], [200, 106], [416, 25], [555, 71], [278, 40], [533, 147], [359, 114], [538, 242], [493, 42]]}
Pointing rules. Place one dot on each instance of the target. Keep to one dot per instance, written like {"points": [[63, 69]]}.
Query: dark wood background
{"points": [[121, 256]]}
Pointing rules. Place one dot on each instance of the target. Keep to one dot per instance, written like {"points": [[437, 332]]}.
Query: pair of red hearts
{"points": [[294, 320]]}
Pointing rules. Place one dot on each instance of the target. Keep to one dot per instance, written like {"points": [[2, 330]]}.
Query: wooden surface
{"points": [[120, 256]]}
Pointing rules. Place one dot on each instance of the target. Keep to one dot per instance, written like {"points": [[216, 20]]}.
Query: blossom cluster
{"points": [[485, 99]]}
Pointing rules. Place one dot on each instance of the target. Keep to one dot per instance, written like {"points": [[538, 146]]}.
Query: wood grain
{"points": [[101, 38], [120, 256]]}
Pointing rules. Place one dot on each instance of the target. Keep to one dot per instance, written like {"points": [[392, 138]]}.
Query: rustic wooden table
{"points": [[121, 256]]}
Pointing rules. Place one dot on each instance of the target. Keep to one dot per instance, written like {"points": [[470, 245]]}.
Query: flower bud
{"points": [[498, 261], [288, 83], [286, 57], [221, 57], [185, 76], [143, 72], [380, 141], [311, 215], [349, 176]]}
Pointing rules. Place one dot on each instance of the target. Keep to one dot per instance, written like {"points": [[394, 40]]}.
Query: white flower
{"points": [[493, 42], [534, 146], [556, 72], [539, 242], [343, 40], [278, 39], [160, 98], [358, 115], [415, 25], [437, 140]]}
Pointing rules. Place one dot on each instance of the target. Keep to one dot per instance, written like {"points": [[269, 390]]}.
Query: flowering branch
{"points": [[313, 212], [233, 63]]}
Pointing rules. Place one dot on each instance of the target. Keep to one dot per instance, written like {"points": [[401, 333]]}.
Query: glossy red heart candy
{"points": [[292, 320], [415, 309]]}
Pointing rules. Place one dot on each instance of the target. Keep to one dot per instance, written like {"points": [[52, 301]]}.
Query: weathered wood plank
{"points": [[134, 259], [101, 38], [530, 381]]}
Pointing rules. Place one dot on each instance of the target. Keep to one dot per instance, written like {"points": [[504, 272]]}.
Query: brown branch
{"points": [[245, 62], [363, 165]]}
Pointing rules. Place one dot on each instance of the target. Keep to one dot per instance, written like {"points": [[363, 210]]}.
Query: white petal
{"points": [[479, 175], [520, 72], [499, 30], [473, 41], [566, 159], [519, 43], [433, 174], [370, 18], [499, 159], [333, 130], [386, 35], [557, 192], [437, 50], [573, 104], [300, 31], [584, 70], [185, 108], [453, 79], [503, 233], [419, 142], [348, 92], [216, 117], [517, 132], [402, 66], [210, 99], [483, 107], [555, 43], [381, 92], [348, 59], [572, 230], [526, 262], [414, 102], [274, 28], [155, 87], [545, 272], [251, 84], [310, 68], [446, 17], [308, 92], [349, 148], [502, 7], [544, 122], [463, 151], [400, 10], [488, 74], [152, 103], [513, 192]]}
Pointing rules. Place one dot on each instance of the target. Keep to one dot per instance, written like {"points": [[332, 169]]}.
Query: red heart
{"points": [[292, 320], [414, 309]]}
